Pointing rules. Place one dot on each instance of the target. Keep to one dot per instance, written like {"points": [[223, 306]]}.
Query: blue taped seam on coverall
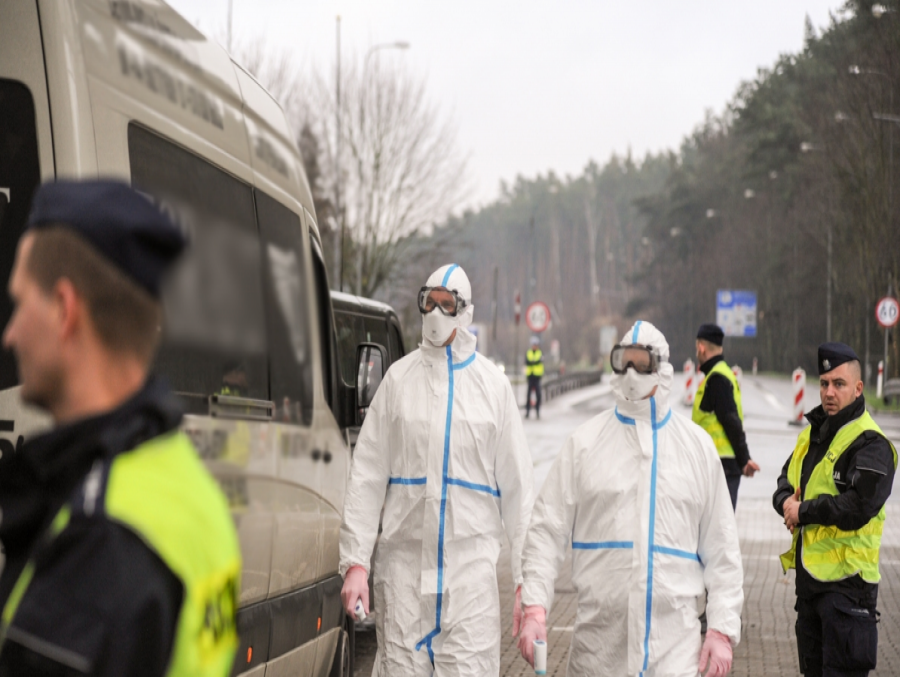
{"points": [[474, 487], [663, 550], [602, 545], [446, 480]]}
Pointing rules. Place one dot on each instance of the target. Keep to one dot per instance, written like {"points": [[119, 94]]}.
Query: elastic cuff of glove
{"points": [[537, 612], [357, 566]]}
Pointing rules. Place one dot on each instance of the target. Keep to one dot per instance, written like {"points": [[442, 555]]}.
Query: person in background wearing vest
{"points": [[534, 371], [831, 494], [121, 556], [718, 409]]}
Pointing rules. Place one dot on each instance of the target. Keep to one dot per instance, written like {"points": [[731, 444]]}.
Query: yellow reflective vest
{"points": [[163, 493], [829, 553], [534, 362], [708, 420]]}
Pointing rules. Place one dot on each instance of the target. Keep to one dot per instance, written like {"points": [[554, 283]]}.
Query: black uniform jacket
{"points": [[719, 397], [101, 602], [850, 509]]}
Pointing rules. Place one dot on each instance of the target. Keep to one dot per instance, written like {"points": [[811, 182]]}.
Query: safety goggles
{"points": [[643, 359], [448, 301]]}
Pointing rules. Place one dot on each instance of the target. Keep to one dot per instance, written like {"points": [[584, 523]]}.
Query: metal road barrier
{"points": [[563, 383], [891, 390]]}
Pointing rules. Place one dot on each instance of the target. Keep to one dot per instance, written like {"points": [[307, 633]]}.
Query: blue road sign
{"points": [[736, 312]]}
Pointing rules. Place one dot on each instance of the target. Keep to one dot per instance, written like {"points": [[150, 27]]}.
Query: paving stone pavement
{"points": [[768, 645]]}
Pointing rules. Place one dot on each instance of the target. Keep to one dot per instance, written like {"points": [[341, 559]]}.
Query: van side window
{"points": [[396, 342], [215, 332], [350, 332], [285, 291], [377, 332], [20, 174], [326, 324]]}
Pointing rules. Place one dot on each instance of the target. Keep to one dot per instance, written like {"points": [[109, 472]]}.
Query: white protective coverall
{"points": [[443, 441], [639, 491]]}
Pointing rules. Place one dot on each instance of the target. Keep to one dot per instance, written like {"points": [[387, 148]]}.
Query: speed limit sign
{"points": [[537, 317], [887, 312]]}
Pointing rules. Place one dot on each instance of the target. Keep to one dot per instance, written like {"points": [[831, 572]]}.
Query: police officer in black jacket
{"points": [[831, 494], [121, 555], [718, 410]]}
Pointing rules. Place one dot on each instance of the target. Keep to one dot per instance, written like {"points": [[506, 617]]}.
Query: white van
{"points": [[129, 89]]}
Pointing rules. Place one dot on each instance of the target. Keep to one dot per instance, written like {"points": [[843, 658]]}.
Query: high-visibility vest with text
{"points": [[162, 492]]}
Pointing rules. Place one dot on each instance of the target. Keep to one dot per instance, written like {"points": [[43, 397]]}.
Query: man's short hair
{"points": [[126, 317], [710, 346], [856, 369]]}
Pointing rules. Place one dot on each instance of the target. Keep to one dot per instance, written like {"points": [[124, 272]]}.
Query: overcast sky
{"points": [[535, 86]]}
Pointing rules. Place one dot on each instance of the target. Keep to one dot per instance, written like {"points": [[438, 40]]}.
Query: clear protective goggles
{"points": [[643, 359], [448, 301]]}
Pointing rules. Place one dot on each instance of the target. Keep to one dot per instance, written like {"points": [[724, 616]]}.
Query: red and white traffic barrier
{"points": [[799, 381], [879, 383], [690, 383], [738, 374], [755, 365]]}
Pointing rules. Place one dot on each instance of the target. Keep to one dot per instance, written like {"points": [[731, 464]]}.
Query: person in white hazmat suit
{"points": [[443, 450], [639, 492]]}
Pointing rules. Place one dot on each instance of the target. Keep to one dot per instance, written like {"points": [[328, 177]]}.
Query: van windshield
{"points": [[19, 177]]}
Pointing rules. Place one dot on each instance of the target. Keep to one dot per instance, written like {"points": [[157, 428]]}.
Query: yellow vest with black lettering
{"points": [[164, 494], [708, 420], [534, 369], [829, 553]]}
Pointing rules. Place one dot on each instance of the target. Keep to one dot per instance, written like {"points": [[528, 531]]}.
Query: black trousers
{"points": [[734, 483], [835, 636], [534, 385]]}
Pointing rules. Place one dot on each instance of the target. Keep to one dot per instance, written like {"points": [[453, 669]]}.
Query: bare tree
{"points": [[400, 169]]}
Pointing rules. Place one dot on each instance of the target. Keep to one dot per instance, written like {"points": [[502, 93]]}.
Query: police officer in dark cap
{"points": [[831, 494], [719, 411], [121, 556]]}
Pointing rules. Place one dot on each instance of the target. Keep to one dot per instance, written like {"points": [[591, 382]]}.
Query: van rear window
{"points": [[20, 174]]}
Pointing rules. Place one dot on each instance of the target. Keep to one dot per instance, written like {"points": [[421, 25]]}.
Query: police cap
{"points": [[834, 354], [122, 224], [712, 333]]}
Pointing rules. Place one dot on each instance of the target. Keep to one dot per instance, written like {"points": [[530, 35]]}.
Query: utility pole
{"points": [[230, 17], [338, 213], [494, 309], [828, 288], [887, 333]]}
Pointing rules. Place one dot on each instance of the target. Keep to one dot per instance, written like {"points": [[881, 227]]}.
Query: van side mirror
{"points": [[370, 361]]}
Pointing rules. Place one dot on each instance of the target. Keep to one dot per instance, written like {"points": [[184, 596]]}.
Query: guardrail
{"points": [[891, 390], [563, 383]]}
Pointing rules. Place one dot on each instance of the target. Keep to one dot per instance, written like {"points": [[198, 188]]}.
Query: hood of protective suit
{"points": [[632, 389], [437, 327]]}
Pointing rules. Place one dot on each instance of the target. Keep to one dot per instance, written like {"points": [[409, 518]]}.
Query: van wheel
{"points": [[342, 666]]}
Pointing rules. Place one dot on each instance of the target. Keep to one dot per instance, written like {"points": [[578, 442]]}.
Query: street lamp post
{"points": [[806, 147], [399, 44], [892, 118]]}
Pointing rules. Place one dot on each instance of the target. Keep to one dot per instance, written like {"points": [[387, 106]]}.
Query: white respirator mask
{"points": [[437, 328], [633, 386]]}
